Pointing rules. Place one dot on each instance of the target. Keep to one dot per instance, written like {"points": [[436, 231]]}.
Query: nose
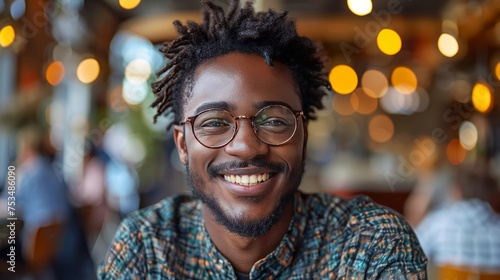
{"points": [[245, 144]]}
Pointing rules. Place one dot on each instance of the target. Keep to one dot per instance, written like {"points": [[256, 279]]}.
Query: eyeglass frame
{"points": [[296, 113]]}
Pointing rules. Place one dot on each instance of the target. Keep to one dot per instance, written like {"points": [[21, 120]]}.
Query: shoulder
{"points": [[372, 239], [355, 213], [147, 236], [163, 215]]}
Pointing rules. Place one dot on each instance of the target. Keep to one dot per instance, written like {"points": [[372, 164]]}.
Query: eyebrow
{"points": [[263, 104], [214, 105]]}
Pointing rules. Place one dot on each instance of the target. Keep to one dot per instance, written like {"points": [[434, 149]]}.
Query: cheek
{"points": [[199, 157]]}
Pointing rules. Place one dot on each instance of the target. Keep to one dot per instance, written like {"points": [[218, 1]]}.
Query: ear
{"points": [[180, 142], [306, 136]]}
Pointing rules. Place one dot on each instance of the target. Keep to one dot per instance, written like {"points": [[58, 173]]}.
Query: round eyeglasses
{"points": [[274, 125]]}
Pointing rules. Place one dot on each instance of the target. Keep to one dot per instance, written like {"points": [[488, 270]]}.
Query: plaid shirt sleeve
{"points": [[125, 258]]}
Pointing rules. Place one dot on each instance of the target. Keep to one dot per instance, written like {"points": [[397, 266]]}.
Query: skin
{"points": [[242, 83]]}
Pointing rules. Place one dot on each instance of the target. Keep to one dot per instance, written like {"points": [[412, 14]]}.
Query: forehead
{"points": [[241, 81]]}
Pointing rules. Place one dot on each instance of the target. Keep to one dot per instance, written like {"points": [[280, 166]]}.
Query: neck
{"points": [[244, 252]]}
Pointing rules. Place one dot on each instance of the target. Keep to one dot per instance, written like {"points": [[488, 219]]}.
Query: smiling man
{"points": [[242, 87]]}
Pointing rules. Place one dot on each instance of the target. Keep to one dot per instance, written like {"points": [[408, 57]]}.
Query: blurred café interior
{"points": [[414, 101]]}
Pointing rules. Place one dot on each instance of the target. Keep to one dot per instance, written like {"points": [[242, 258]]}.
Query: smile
{"points": [[247, 180]]}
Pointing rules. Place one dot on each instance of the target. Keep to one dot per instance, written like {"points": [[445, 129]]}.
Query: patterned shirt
{"points": [[464, 234], [328, 238]]}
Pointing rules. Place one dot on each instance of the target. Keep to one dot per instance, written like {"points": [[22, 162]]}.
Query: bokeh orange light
{"points": [[342, 105], [362, 102], [88, 70], [343, 79], [374, 83], [129, 4], [404, 80], [7, 36], [381, 128], [388, 41], [482, 97], [455, 152], [55, 73]]}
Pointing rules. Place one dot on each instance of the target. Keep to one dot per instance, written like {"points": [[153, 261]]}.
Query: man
{"points": [[465, 233], [242, 87]]}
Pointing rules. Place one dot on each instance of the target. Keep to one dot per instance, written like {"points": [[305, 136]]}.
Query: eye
{"points": [[214, 123], [273, 122]]}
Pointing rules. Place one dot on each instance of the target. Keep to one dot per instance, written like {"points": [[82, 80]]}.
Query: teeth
{"points": [[253, 179], [247, 180]]}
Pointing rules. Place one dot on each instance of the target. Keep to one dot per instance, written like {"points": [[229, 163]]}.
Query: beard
{"points": [[243, 226]]}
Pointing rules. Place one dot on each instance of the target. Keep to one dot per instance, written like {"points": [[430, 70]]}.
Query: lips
{"points": [[247, 179]]}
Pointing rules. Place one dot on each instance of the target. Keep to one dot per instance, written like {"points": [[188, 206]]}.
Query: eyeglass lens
{"points": [[273, 125]]}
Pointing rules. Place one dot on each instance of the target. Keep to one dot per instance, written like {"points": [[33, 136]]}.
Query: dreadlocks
{"points": [[270, 34]]}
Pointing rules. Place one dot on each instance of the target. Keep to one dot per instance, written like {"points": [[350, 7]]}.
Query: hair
{"points": [[30, 137], [477, 183], [270, 34]]}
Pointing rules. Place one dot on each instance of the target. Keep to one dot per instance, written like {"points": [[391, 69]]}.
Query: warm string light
{"points": [[455, 152], [468, 135], [374, 83], [343, 79], [88, 70], [482, 99], [7, 36], [55, 73], [389, 41], [447, 45], [381, 128], [129, 4], [404, 80], [360, 7], [362, 102]]}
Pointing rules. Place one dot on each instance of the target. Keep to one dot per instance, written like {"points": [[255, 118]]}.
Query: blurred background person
{"points": [[41, 197], [464, 234]]}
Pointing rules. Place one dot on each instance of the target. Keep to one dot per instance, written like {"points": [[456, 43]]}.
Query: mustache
{"points": [[216, 169]]}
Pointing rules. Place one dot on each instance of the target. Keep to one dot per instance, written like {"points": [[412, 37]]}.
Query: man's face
{"points": [[242, 84]]}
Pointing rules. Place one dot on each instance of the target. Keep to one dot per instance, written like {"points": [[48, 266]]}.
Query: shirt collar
{"points": [[282, 256]]}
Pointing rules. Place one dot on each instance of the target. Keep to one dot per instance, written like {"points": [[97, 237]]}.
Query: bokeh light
{"points": [[395, 102], [389, 41], [482, 97], [129, 4], [134, 94], [17, 9], [88, 70], [55, 73], [447, 45], [360, 7], [468, 135], [343, 79], [138, 71], [7, 36], [374, 83], [404, 80], [455, 152], [362, 102], [381, 128], [342, 105]]}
